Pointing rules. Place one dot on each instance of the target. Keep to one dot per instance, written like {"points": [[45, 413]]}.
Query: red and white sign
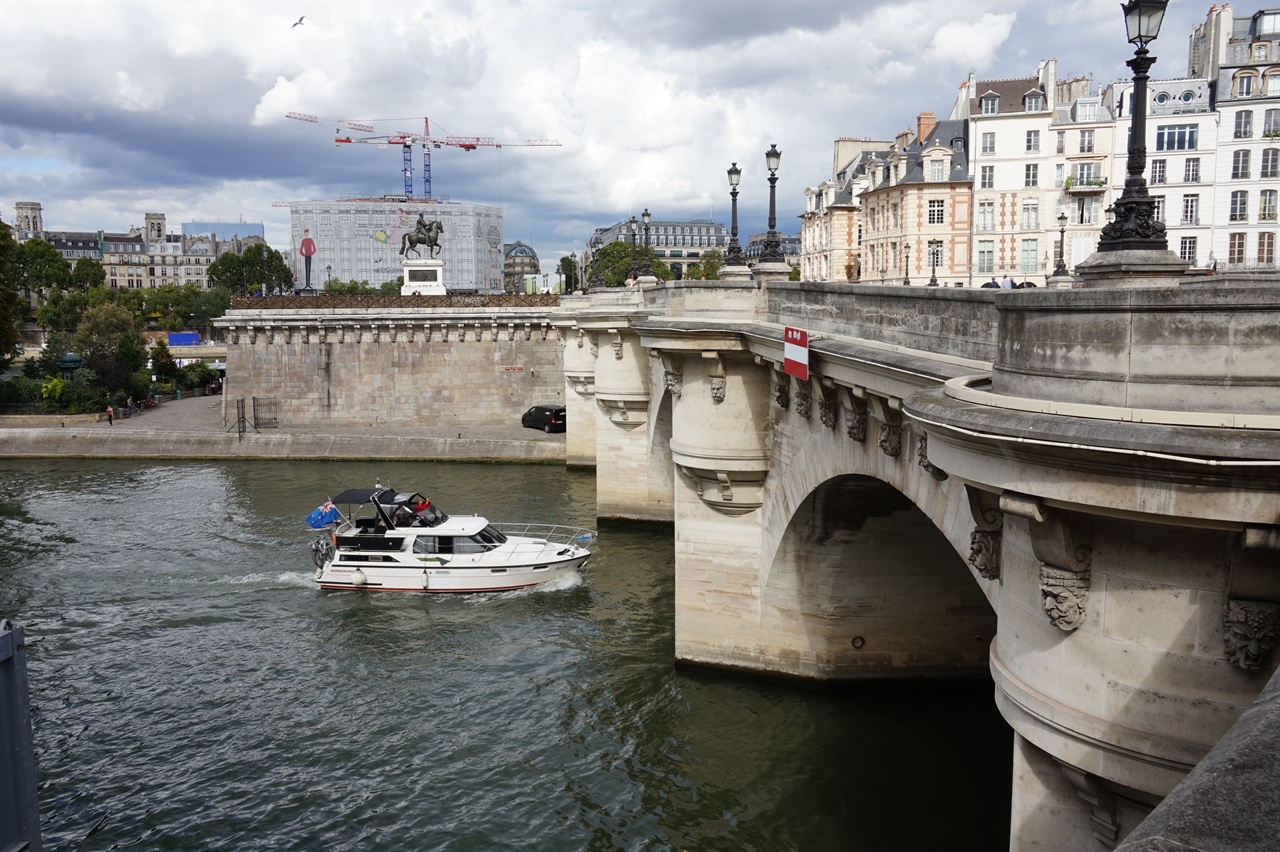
{"points": [[795, 353]]}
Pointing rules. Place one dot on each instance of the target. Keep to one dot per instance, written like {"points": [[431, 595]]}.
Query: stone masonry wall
{"points": [[352, 368]]}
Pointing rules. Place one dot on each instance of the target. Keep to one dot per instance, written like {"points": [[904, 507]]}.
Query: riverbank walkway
{"points": [[195, 427]]}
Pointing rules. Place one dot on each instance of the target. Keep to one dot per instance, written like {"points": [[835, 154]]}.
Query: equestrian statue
{"points": [[425, 234]]}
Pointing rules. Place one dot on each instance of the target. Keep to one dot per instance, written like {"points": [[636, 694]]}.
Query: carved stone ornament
{"points": [[717, 389], [922, 458], [253, 335], [782, 393], [1249, 631], [235, 337], [890, 442], [342, 334], [426, 332], [857, 419], [984, 552], [544, 331], [395, 333], [288, 334], [1064, 594], [617, 349], [827, 413], [674, 380], [582, 338], [804, 400], [271, 335]]}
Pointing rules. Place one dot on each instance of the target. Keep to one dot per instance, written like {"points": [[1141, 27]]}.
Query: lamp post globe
{"points": [[1135, 227], [734, 255], [647, 269], [772, 252]]}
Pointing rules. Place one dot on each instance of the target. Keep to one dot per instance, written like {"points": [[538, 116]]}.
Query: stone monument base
{"points": [[422, 277]]}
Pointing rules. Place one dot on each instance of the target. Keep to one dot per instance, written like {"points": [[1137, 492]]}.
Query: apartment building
{"points": [[831, 226], [679, 243], [918, 209]]}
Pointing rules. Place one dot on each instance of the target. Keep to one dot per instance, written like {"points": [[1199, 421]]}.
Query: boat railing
{"points": [[554, 533]]}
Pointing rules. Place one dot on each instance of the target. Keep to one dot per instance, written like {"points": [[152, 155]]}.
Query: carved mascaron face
{"points": [[1064, 594], [1249, 630]]}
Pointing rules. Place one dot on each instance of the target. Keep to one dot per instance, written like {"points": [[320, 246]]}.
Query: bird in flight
{"points": [[299, 22]]}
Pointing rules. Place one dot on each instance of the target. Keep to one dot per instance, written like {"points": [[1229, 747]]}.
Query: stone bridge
{"points": [[1075, 493]]}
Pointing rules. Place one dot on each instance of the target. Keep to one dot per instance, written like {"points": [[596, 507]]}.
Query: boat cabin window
{"points": [[485, 540]]}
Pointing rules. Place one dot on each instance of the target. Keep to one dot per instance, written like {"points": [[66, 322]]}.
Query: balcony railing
{"points": [[1078, 185]]}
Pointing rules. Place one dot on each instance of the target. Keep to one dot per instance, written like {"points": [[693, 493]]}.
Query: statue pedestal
{"points": [[422, 277]]}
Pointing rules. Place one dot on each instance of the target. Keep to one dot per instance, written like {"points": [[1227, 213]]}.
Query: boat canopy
{"points": [[364, 495]]}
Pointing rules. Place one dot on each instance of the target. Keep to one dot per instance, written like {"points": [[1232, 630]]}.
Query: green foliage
{"points": [[101, 328], [62, 309], [708, 268], [390, 288], [41, 267], [208, 305], [348, 288], [88, 272], [795, 274], [12, 307], [196, 375], [614, 262], [162, 363], [57, 344], [21, 391], [569, 270]]}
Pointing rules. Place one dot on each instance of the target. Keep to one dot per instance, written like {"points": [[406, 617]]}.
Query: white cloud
{"points": [[972, 44]]}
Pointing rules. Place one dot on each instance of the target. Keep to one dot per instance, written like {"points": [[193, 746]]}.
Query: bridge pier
{"points": [[1094, 473]]}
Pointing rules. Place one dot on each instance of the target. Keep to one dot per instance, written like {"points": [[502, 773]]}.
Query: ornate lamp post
{"points": [[1061, 268], [1135, 227], [772, 249], [647, 269], [734, 255], [882, 272], [934, 247], [328, 272], [633, 274], [597, 274], [906, 263], [573, 266]]}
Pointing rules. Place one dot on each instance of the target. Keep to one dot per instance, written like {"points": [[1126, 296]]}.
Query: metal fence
{"points": [[380, 302], [266, 413]]}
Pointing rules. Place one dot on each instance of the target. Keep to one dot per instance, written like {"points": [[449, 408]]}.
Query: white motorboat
{"points": [[399, 541]]}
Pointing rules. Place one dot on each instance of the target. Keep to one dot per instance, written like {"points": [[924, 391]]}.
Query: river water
{"points": [[192, 689]]}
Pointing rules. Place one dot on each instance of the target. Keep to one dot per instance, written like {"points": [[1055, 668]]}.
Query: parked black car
{"points": [[545, 417]]}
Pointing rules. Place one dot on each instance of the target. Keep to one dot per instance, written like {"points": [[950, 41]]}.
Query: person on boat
{"points": [[427, 515]]}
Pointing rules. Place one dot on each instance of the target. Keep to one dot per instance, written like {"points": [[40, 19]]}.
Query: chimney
{"points": [[925, 123]]}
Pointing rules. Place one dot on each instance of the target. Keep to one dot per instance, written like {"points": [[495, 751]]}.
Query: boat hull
{"points": [[443, 579]]}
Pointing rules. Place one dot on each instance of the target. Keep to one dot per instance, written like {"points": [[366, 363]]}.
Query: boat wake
{"points": [[282, 579]]}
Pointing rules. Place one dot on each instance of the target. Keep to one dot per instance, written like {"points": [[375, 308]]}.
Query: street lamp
{"points": [[906, 263], [882, 272], [734, 256], [935, 246], [1136, 227], [772, 252], [633, 274], [573, 265], [647, 269], [1061, 268], [328, 272]]}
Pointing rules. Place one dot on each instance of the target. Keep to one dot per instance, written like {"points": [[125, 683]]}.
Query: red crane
{"points": [[407, 140]]}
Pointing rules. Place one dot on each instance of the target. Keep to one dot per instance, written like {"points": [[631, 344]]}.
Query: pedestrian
{"points": [[1007, 283], [128, 407], [109, 415]]}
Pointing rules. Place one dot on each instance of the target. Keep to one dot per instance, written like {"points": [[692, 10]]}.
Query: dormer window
{"points": [[990, 105], [1035, 103], [937, 170], [1244, 85]]}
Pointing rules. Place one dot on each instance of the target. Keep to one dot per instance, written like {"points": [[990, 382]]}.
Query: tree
{"points": [[88, 272], [56, 344], [41, 268], [569, 269], [109, 340], [12, 308], [707, 269], [228, 273], [614, 262], [349, 288], [62, 308], [162, 363], [795, 274], [208, 305]]}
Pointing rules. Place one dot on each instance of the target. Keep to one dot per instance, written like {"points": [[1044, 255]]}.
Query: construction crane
{"points": [[407, 140]]}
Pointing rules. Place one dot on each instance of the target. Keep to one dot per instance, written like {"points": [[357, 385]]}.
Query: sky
{"points": [[113, 109]]}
